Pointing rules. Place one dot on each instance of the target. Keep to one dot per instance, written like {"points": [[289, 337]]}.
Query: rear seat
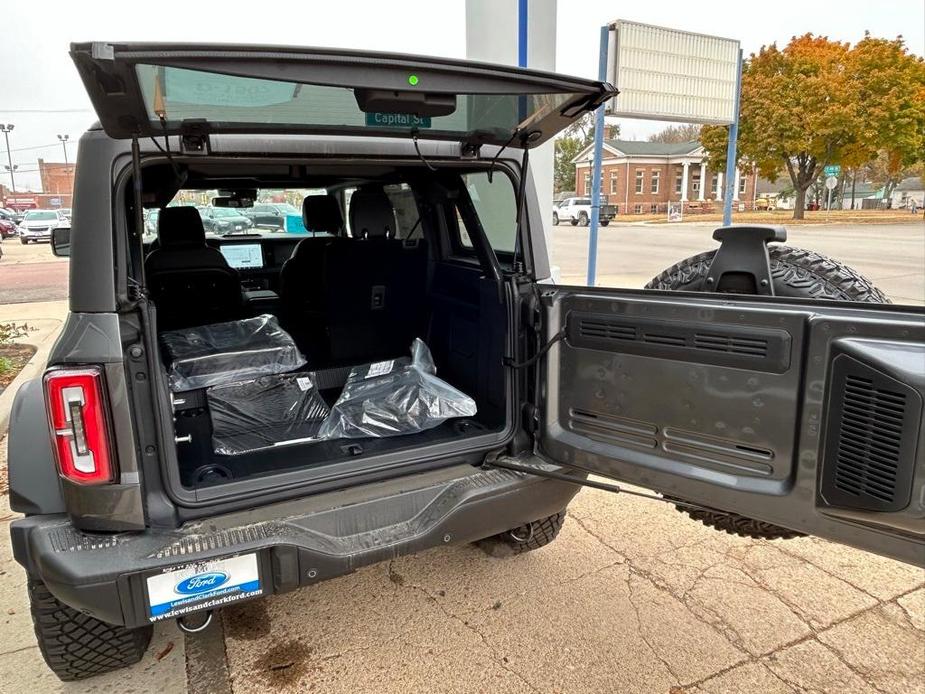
{"points": [[301, 279], [374, 285]]}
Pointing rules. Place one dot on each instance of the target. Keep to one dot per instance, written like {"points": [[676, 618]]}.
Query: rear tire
{"points": [[605, 222], [526, 538], [24, 241], [555, 219], [795, 272], [583, 219], [75, 645]]}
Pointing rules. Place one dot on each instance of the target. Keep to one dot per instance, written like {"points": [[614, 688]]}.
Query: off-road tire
{"points": [[505, 544], [75, 645], [583, 219], [795, 272]]}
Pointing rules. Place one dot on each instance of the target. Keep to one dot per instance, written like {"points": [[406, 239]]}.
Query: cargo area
{"points": [[370, 334]]}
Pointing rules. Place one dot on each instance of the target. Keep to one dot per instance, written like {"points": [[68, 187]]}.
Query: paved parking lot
{"points": [[632, 597], [629, 255]]}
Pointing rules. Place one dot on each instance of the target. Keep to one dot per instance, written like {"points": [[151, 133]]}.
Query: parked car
{"points": [[7, 228], [578, 211], [66, 211], [37, 225], [271, 215], [224, 220], [803, 413]]}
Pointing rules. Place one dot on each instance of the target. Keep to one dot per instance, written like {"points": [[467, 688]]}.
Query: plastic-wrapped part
{"points": [[395, 397], [274, 410], [240, 350]]}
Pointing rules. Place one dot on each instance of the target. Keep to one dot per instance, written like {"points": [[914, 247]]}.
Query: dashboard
{"points": [[258, 259]]}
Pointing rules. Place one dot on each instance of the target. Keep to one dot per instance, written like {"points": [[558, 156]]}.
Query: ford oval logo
{"points": [[201, 583]]}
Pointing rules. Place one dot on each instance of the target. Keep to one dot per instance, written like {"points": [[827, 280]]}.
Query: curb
{"points": [[33, 368]]}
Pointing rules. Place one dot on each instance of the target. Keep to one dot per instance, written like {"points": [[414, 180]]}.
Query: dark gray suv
{"points": [[763, 389]]}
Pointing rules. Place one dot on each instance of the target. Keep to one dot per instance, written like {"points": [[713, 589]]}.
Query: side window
{"points": [[496, 205]]}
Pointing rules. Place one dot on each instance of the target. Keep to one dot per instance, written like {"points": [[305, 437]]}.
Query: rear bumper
{"points": [[297, 543]]}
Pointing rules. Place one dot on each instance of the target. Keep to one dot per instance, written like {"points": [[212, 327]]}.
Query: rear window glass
{"points": [[177, 94]]}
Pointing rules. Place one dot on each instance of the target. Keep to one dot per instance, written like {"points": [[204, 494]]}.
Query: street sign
{"points": [[831, 182], [667, 74], [832, 170]]}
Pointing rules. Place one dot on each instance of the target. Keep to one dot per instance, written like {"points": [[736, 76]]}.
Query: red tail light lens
{"points": [[79, 419]]}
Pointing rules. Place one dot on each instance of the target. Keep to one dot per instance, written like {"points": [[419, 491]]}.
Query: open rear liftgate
{"points": [[742, 255]]}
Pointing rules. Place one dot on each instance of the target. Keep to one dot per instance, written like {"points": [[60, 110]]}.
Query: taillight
{"points": [[79, 419]]}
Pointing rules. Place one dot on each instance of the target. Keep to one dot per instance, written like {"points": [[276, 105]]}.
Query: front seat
{"points": [[190, 282], [301, 277]]}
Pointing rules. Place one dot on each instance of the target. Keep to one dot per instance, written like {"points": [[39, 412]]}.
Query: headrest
{"points": [[322, 213], [371, 214], [180, 227]]}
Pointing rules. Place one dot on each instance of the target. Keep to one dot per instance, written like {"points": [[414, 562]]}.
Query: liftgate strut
{"points": [[616, 489]]}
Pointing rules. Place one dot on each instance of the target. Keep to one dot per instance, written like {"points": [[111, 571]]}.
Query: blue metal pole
{"points": [[596, 164], [522, 33], [731, 150]]}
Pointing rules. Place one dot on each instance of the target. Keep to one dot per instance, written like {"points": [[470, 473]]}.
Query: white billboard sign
{"points": [[666, 74]]}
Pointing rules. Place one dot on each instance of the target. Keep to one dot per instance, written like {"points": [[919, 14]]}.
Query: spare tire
{"points": [[795, 272]]}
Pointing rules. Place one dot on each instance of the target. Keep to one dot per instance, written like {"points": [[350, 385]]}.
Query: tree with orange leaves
{"points": [[818, 102]]}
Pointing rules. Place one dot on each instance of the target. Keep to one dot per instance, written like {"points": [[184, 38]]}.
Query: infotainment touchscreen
{"points": [[242, 256]]}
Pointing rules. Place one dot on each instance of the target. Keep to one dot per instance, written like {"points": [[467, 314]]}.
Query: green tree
{"points": [[890, 85], [796, 113], [686, 132], [567, 148], [819, 102], [575, 138]]}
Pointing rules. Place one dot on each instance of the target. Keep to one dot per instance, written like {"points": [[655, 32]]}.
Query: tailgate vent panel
{"points": [[742, 346], [872, 427]]}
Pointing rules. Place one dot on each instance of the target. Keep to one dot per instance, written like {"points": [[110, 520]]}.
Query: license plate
{"points": [[202, 585]]}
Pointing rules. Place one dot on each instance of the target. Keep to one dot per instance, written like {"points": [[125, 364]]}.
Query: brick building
{"points": [[57, 179], [644, 177]]}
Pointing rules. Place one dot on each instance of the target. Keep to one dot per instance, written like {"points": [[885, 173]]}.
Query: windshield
{"points": [[177, 94], [40, 216]]}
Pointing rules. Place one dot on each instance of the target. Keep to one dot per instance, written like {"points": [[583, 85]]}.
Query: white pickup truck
{"points": [[578, 211]]}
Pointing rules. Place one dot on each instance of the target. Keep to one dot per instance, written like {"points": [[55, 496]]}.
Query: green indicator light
{"points": [[413, 80]]}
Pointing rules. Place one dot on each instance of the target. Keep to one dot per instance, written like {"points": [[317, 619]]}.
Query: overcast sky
{"points": [[41, 94]]}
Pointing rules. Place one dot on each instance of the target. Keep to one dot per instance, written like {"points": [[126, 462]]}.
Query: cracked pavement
{"points": [[631, 597]]}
